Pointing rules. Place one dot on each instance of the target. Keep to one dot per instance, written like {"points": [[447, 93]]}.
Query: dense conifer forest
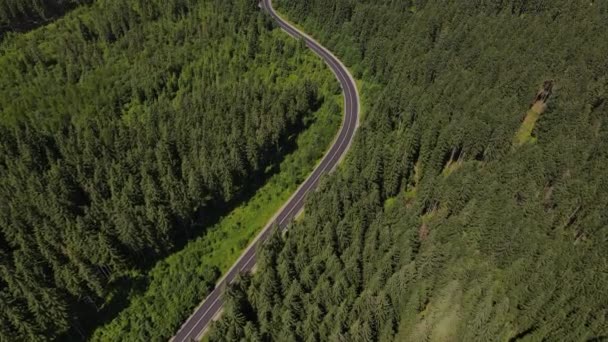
{"points": [[473, 204], [126, 127]]}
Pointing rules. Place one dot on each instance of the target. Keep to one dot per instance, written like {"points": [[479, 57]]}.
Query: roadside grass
{"points": [[300, 216], [178, 283], [524, 133]]}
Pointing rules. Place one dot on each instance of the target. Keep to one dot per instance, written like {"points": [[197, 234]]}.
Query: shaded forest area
{"points": [[126, 127], [442, 226], [20, 15]]}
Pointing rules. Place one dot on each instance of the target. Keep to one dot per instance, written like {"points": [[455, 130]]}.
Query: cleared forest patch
{"points": [[524, 133], [440, 319], [539, 105], [454, 163]]}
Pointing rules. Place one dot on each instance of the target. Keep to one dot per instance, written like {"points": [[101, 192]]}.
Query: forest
{"points": [[472, 206], [20, 15], [126, 129]]}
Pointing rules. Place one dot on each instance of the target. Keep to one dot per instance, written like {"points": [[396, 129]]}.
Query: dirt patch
{"points": [[539, 107], [423, 231]]}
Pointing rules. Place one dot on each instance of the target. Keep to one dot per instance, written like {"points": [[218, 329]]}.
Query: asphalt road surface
{"points": [[195, 326]]}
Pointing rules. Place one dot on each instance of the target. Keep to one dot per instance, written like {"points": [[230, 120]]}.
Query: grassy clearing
{"points": [[439, 319], [451, 167], [524, 133], [410, 194]]}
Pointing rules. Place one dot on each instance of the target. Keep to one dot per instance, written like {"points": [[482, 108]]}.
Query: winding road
{"points": [[204, 314]]}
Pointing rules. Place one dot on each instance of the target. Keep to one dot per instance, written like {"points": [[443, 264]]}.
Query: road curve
{"points": [[202, 317]]}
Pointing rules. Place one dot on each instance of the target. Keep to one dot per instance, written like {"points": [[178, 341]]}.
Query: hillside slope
{"points": [[473, 205], [126, 130]]}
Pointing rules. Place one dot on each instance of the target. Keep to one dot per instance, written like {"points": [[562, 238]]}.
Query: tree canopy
{"points": [[444, 224]]}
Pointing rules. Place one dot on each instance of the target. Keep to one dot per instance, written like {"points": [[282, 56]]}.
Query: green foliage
{"points": [[127, 129], [480, 241], [524, 133]]}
